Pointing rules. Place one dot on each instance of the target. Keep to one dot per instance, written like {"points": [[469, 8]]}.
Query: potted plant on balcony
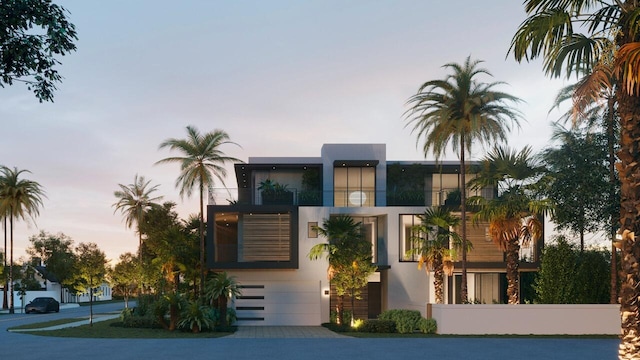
{"points": [[274, 193], [311, 193]]}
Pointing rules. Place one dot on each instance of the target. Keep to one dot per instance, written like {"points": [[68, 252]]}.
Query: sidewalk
{"points": [[96, 318]]}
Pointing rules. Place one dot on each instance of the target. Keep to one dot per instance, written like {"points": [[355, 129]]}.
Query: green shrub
{"points": [[196, 318], [131, 318], [406, 320], [378, 326], [427, 326]]}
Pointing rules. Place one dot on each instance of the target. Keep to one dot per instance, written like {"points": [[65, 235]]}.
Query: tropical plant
{"points": [[349, 256], [196, 317], [462, 111], [514, 215], [19, 199], [34, 34], [201, 162], [219, 289], [573, 37], [134, 200], [431, 240]]}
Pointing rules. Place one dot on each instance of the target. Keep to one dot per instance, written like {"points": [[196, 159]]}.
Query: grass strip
{"points": [[107, 330], [47, 324]]}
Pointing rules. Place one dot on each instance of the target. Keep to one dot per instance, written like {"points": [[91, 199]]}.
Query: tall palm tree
{"points": [[461, 110], [514, 215], [432, 237], [19, 199], [201, 162], [571, 37], [134, 200]]}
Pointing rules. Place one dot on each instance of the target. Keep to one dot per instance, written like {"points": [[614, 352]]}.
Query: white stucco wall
{"points": [[526, 319]]}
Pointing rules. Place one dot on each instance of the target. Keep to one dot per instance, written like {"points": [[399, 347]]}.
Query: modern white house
{"points": [[263, 238]]}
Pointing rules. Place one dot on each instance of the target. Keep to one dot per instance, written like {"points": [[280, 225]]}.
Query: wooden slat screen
{"points": [[266, 237]]}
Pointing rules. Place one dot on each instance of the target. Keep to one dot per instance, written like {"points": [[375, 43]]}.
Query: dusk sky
{"points": [[281, 77]]}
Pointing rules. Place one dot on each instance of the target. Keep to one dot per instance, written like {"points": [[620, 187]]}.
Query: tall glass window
{"points": [[354, 186]]}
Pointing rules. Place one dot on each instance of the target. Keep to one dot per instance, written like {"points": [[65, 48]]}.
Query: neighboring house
{"points": [[50, 286], [264, 236]]}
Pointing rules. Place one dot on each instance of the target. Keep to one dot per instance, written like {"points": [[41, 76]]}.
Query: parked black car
{"points": [[42, 305]]}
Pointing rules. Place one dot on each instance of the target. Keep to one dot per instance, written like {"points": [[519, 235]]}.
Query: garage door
{"points": [[294, 303]]}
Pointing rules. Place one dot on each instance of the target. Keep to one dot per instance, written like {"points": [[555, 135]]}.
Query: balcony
{"points": [[342, 198]]}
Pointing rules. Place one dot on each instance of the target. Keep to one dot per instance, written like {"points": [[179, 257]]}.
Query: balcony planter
{"points": [[274, 193]]}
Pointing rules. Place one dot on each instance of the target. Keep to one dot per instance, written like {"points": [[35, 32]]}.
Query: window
{"points": [[407, 234], [354, 186]]}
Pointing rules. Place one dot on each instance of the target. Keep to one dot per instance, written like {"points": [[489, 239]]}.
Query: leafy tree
{"points": [[134, 200], [56, 253], [33, 34], [461, 110], [91, 271], [201, 162], [219, 289], [349, 257], [514, 215], [571, 276], [578, 182], [432, 237], [573, 37], [594, 103], [124, 277], [19, 199]]}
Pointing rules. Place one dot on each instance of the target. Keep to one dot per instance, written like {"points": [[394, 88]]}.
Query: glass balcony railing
{"points": [[342, 198]]}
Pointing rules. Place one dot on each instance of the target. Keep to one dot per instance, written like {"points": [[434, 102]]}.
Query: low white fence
{"points": [[526, 319]]}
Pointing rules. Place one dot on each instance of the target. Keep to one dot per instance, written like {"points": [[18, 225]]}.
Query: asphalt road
{"points": [[24, 346]]}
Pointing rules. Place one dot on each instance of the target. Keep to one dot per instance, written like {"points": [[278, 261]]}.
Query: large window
{"points": [[369, 232], [354, 186]]}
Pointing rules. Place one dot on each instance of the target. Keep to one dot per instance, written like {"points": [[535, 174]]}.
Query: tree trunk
{"points": [[5, 301], [612, 195], [341, 309], [438, 280], [202, 264], [464, 297], [629, 172], [222, 306], [11, 310], [513, 262]]}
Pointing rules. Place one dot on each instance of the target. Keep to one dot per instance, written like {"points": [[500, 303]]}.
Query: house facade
{"points": [[263, 237]]}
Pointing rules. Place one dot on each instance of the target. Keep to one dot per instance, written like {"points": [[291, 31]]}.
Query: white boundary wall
{"points": [[526, 319]]}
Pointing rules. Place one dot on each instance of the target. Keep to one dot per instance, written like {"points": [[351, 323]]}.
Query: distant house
{"points": [[263, 236]]}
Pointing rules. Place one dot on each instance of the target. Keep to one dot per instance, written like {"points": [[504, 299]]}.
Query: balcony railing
{"points": [[447, 197]]}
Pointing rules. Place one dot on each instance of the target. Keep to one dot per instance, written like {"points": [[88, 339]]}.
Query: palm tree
{"points": [[432, 239], [201, 162], [347, 253], [220, 289], [572, 37], [461, 110], [514, 215], [19, 199], [134, 200]]}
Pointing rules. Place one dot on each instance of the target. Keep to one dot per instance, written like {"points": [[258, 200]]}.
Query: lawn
{"points": [[108, 330]]}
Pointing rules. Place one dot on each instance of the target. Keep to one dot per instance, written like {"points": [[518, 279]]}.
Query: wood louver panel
{"points": [[266, 237]]}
